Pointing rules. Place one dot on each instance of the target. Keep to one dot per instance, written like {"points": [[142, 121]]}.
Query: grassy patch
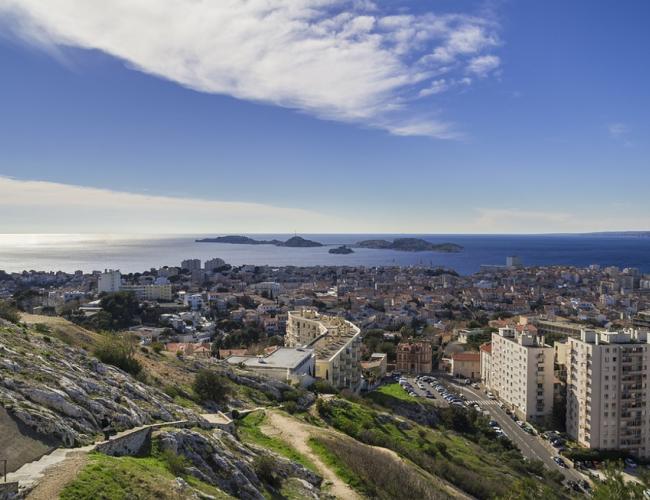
{"points": [[338, 466], [249, 430], [396, 391], [117, 478], [484, 469]]}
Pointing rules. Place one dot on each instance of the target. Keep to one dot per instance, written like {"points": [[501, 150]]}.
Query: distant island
{"points": [[294, 242], [342, 250], [410, 245]]}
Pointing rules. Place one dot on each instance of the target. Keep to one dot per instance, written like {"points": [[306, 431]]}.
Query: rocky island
{"points": [[342, 250], [410, 245], [293, 242]]}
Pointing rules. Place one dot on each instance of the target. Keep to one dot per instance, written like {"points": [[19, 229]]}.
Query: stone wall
{"points": [[131, 444], [8, 491]]}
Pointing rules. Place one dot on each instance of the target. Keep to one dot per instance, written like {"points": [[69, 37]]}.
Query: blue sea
{"points": [[52, 252]]}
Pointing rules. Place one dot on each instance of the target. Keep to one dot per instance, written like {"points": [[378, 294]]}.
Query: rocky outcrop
{"points": [[219, 459], [64, 393]]}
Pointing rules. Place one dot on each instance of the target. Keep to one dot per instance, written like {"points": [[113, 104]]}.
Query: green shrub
{"points": [[210, 386], [9, 312], [119, 352], [175, 463], [323, 387], [291, 407], [264, 466]]}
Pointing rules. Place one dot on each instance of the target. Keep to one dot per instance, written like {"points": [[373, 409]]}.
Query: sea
{"points": [[131, 253]]}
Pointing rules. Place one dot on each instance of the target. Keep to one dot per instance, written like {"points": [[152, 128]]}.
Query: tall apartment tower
{"points": [[521, 373], [191, 264], [607, 391], [110, 281]]}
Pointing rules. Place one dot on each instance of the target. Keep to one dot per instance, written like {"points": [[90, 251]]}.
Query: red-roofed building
{"points": [[466, 364]]}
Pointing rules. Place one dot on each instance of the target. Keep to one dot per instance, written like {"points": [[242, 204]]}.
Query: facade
{"points": [[212, 264], [285, 364], [414, 357], [466, 365], [521, 373], [486, 363], [270, 288], [546, 327], [375, 368], [466, 335], [336, 343], [110, 281], [191, 264], [607, 391], [150, 292]]}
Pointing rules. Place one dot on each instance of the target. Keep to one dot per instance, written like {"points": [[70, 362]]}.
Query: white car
{"points": [[491, 396]]}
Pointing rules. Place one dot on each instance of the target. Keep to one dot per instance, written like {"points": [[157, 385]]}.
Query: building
{"points": [[212, 264], [521, 373], [607, 391], [336, 343], [374, 369], [466, 335], [293, 365], [546, 327], [161, 293], [267, 288], [191, 264], [110, 281], [414, 357], [513, 261], [486, 362], [466, 365]]}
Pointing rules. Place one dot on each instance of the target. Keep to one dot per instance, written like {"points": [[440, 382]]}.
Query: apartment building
{"points": [[110, 281], [521, 373], [150, 292], [607, 391], [336, 343]]}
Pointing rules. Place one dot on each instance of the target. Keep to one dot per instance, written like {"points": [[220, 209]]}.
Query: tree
{"points": [[614, 487], [8, 312], [121, 309], [210, 386]]}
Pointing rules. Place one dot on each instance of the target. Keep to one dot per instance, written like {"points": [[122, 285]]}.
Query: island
{"points": [[342, 250], [410, 245], [293, 242]]}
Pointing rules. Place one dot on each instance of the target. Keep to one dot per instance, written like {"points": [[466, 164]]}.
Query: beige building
{"points": [[284, 364], [607, 391], [466, 365], [486, 363], [414, 357], [336, 343], [150, 292], [521, 373]]}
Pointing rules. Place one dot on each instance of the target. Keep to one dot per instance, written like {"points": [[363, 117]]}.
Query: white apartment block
{"points": [[521, 373], [607, 391], [150, 292], [110, 281], [336, 343], [191, 264], [212, 264]]}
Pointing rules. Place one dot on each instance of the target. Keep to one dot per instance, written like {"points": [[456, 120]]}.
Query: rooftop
{"points": [[284, 357]]}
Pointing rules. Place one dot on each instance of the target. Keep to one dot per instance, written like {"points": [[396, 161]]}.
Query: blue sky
{"points": [[324, 116]]}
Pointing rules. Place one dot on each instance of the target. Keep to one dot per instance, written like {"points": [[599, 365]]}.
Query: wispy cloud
{"points": [[40, 206], [345, 60]]}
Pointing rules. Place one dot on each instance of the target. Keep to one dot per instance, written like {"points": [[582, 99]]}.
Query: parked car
{"points": [[630, 463], [491, 396], [558, 460], [476, 386]]}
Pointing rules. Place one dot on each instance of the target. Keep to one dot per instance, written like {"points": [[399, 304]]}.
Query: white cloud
{"points": [[483, 65], [617, 130], [39, 206], [344, 60]]}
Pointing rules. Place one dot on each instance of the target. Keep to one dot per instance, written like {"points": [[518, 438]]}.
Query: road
{"points": [[532, 447]]}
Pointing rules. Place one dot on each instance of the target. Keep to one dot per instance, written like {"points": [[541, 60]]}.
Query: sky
{"points": [[324, 116]]}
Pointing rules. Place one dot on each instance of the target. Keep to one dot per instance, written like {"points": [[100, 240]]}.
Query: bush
{"points": [[8, 312], [323, 387], [119, 352], [264, 466], [210, 386], [157, 347], [291, 407], [175, 463]]}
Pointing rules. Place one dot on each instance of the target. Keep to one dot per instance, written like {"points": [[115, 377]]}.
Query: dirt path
{"points": [[58, 476], [297, 434]]}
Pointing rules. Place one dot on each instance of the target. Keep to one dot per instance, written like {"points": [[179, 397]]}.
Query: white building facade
{"points": [[607, 391], [110, 281], [521, 373]]}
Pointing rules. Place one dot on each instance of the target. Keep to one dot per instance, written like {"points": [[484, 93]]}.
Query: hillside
{"points": [[54, 393]]}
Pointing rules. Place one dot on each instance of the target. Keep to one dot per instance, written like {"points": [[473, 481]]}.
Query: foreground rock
{"points": [[65, 394]]}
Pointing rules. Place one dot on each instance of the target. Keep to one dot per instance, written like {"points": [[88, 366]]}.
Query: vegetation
{"points": [[393, 391], [9, 312], [113, 478], [210, 386], [615, 487], [372, 472], [119, 351], [249, 430], [119, 311], [476, 461]]}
